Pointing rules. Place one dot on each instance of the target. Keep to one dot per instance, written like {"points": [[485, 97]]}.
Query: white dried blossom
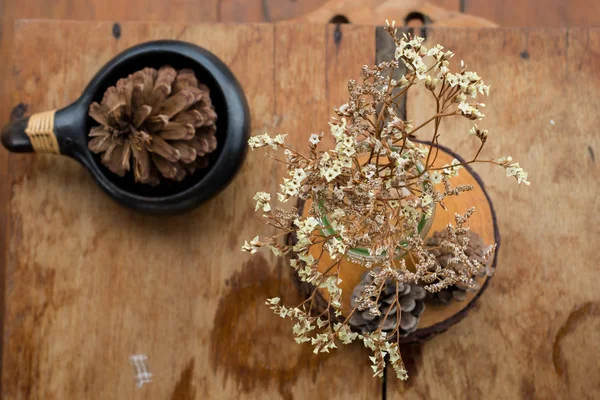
{"points": [[330, 173], [331, 284], [435, 51], [263, 140], [307, 225], [307, 259], [403, 82], [273, 301], [470, 111], [323, 343], [431, 83], [262, 201], [289, 188], [302, 244], [515, 170], [299, 174], [336, 248], [306, 274], [504, 160], [275, 250], [369, 171], [258, 141], [435, 177], [344, 162], [480, 133], [395, 359], [253, 246], [338, 130], [426, 199], [278, 140], [461, 98], [452, 79], [452, 169]]}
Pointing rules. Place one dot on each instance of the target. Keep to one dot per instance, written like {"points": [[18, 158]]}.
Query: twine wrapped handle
{"points": [[36, 133], [40, 130]]}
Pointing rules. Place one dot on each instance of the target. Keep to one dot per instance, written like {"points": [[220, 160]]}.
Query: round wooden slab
{"points": [[435, 318]]}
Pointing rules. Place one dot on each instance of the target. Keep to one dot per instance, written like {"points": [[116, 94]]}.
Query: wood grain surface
{"points": [[535, 332], [374, 12], [537, 13], [556, 13], [89, 283]]}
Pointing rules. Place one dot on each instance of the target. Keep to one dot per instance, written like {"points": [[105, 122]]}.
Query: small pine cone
{"points": [[475, 250], [160, 124], [411, 298]]}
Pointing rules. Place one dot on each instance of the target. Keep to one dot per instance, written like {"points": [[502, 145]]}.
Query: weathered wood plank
{"points": [[96, 293], [90, 283], [151, 10], [161, 10], [309, 80], [535, 331], [536, 13], [4, 187], [83, 293]]}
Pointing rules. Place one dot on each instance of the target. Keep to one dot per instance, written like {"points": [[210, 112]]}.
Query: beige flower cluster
{"points": [[372, 193]]}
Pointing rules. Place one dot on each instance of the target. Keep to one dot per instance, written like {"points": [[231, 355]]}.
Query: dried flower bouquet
{"points": [[371, 192]]}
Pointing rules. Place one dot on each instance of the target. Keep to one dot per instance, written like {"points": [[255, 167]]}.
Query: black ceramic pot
{"points": [[66, 131]]}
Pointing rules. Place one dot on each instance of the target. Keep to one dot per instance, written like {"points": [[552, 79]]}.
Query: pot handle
{"points": [[36, 133]]}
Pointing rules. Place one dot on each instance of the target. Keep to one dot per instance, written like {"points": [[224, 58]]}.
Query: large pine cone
{"points": [[411, 298], [159, 123], [475, 250]]}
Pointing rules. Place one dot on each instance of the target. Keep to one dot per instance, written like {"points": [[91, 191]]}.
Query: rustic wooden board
{"points": [[84, 292], [5, 99], [514, 13], [535, 332], [409, 12], [537, 13], [532, 13], [90, 283]]}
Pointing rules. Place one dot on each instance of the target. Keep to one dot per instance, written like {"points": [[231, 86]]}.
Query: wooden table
{"points": [[88, 283]]}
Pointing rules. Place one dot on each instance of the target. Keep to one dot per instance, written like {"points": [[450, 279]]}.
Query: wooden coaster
{"points": [[436, 318]]}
